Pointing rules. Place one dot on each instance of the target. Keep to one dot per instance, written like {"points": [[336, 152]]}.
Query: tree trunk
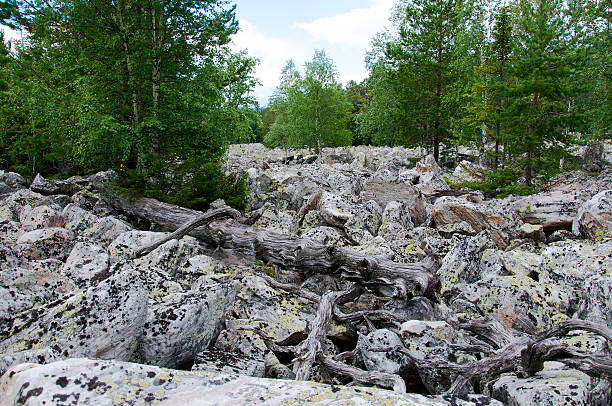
{"points": [[128, 62], [392, 279]]}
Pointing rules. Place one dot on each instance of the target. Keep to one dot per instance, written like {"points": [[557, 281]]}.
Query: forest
{"points": [[153, 90]]}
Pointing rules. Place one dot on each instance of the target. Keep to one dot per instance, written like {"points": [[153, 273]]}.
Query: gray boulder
{"points": [[86, 262], [106, 321], [97, 382], [555, 385], [181, 325], [45, 243], [594, 218]]}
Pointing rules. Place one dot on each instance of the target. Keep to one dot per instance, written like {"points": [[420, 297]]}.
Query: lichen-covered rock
{"points": [[376, 359], [518, 301], [64, 187], [171, 256], [181, 325], [127, 243], [594, 218], [106, 229], [431, 183], [554, 386], [283, 317], [77, 218], [430, 340], [23, 288], [45, 243], [275, 221], [12, 179], [85, 262], [42, 356], [32, 218], [582, 270], [461, 264], [106, 321], [97, 382], [449, 210], [335, 211], [384, 192], [24, 197]]}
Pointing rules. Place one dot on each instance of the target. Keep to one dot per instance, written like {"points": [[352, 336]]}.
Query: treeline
{"points": [[521, 83], [148, 88]]}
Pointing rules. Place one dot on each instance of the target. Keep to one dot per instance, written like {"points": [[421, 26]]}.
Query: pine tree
{"points": [[421, 62], [538, 114]]}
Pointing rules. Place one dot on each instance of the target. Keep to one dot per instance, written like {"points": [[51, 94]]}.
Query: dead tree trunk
{"points": [[392, 279]]}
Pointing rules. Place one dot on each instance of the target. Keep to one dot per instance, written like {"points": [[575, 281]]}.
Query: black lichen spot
{"points": [[32, 392], [62, 381], [150, 374]]}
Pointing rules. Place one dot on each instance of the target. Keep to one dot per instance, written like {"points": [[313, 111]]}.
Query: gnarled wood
{"points": [[209, 216], [390, 278]]}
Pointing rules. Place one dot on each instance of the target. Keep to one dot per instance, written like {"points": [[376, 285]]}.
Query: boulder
{"points": [[55, 187], [431, 340], [450, 210], [462, 264], [383, 193], [282, 316], [106, 321], [181, 325], [99, 382], [431, 183], [106, 229], [229, 363], [594, 217], [13, 180], [45, 243], [86, 262], [40, 217], [555, 385], [335, 211], [580, 270], [23, 288], [553, 210], [518, 302]]}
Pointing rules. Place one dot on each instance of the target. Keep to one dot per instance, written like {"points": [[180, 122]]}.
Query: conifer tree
{"points": [[538, 113], [421, 61]]}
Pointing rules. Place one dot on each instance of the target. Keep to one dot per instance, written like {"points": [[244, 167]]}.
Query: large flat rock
{"points": [[95, 382]]}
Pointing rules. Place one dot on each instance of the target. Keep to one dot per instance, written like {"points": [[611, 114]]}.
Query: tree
{"points": [[539, 111], [357, 95], [487, 103], [151, 86], [421, 62], [379, 120], [312, 108]]}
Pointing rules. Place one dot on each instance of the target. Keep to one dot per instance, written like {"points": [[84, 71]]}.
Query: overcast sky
{"points": [[277, 30]]}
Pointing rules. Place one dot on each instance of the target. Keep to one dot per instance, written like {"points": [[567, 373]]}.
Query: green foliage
{"points": [[148, 86], [312, 108], [500, 183]]}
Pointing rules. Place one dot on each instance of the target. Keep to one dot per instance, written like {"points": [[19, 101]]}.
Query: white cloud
{"points": [[272, 54], [353, 28]]}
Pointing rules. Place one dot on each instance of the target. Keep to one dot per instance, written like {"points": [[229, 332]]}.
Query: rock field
{"points": [[363, 266]]}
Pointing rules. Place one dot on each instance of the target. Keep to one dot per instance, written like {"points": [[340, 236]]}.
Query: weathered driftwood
{"points": [[308, 349], [392, 279], [204, 219]]}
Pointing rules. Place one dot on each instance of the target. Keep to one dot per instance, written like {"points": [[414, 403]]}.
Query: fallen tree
{"points": [[392, 279]]}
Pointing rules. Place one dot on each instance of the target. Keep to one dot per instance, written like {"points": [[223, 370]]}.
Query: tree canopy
{"points": [[312, 108], [148, 87]]}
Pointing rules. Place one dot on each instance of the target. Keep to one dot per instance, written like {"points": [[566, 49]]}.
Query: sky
{"points": [[275, 31]]}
